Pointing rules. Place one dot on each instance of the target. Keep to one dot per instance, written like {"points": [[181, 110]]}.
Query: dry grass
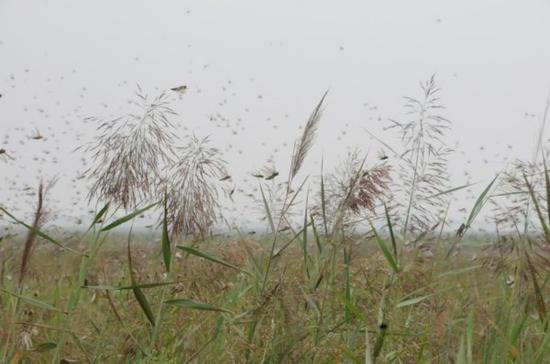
{"points": [[38, 220]]}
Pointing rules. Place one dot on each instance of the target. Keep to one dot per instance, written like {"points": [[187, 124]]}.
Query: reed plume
{"points": [[305, 143], [131, 151], [193, 190], [423, 166], [38, 220], [354, 191]]}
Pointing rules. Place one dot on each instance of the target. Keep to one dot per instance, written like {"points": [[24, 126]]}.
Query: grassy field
{"points": [[344, 303]]}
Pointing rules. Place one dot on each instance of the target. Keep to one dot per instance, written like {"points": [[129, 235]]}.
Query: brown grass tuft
{"points": [[38, 220]]}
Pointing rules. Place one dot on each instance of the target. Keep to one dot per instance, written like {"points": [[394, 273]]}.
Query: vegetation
{"points": [[350, 271]]}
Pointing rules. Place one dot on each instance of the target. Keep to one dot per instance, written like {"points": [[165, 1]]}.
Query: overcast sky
{"points": [[263, 66]]}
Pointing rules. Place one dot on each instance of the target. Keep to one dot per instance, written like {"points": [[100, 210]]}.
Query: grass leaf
{"points": [[480, 202], [209, 257], [304, 240], [382, 244], [45, 346], [539, 297], [121, 288], [195, 305], [99, 216], [540, 215], [316, 234], [166, 245], [128, 217], [41, 234], [33, 301], [138, 293], [324, 201], [268, 212], [412, 301], [390, 228]]}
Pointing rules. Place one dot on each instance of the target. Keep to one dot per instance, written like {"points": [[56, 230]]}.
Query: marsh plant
{"points": [[515, 206], [193, 187], [303, 145], [275, 193], [356, 188], [419, 201], [513, 210], [524, 183], [40, 218], [137, 161], [130, 152], [279, 199]]}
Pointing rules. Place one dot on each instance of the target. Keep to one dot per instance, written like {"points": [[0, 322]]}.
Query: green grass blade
{"points": [[540, 215], [451, 190], [121, 288], [138, 293], [40, 233], [368, 350], [384, 247], [144, 304], [268, 212], [287, 244], [460, 271], [128, 217], [480, 202], [412, 301], [347, 287], [195, 305], [324, 201], [461, 354], [99, 216], [166, 245], [209, 257], [45, 346], [539, 297], [33, 301], [547, 188], [351, 356], [316, 235], [418, 299], [390, 228], [476, 209], [379, 341], [470, 338], [295, 195], [304, 241]]}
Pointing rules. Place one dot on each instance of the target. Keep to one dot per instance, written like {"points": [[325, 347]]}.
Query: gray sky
{"points": [[267, 64]]}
